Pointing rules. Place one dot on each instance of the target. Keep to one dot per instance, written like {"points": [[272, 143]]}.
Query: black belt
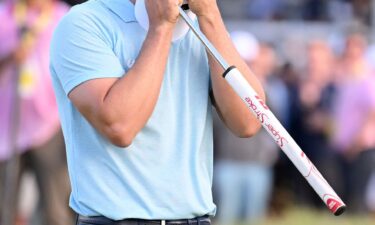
{"points": [[101, 220]]}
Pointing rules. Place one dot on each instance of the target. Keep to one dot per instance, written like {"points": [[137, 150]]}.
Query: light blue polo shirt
{"points": [[167, 171]]}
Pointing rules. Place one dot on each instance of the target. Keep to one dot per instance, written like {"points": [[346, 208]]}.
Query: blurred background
{"points": [[316, 60]]}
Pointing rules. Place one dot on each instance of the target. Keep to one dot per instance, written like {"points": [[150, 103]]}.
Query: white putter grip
{"points": [[272, 125]]}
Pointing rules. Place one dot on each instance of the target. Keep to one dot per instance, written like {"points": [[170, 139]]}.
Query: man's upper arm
{"points": [[84, 62], [80, 53]]}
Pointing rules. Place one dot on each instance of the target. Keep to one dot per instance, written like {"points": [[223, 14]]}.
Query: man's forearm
{"points": [[130, 102], [120, 108], [234, 113], [125, 104]]}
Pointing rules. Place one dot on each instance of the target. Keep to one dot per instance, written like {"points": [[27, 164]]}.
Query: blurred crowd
{"points": [[30, 137], [311, 10], [327, 105]]}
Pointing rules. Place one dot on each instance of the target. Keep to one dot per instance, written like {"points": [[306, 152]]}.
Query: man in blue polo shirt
{"points": [[135, 109]]}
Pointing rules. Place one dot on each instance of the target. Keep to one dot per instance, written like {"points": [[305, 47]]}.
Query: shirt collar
{"points": [[122, 8]]}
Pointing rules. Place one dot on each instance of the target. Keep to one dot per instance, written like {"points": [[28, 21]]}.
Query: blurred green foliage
{"points": [[313, 217]]}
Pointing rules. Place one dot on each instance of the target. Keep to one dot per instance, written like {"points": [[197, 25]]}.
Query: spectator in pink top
{"points": [[29, 124], [354, 115]]}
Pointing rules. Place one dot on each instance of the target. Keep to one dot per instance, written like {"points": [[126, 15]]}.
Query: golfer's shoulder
{"points": [[88, 17]]}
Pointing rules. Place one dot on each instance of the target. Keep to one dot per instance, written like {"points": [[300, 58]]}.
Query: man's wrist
{"points": [[165, 30], [210, 16]]}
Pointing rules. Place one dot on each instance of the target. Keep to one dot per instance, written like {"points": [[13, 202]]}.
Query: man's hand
{"points": [[162, 13], [203, 8]]}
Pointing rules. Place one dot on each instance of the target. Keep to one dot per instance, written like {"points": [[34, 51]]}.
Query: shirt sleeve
{"points": [[81, 50]]}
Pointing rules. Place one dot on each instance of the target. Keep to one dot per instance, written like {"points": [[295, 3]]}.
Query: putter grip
{"points": [[272, 125]]}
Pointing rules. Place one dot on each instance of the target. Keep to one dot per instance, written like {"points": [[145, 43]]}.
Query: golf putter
{"points": [[271, 124]]}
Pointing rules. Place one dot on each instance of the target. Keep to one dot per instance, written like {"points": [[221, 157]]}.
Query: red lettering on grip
{"points": [[262, 102]]}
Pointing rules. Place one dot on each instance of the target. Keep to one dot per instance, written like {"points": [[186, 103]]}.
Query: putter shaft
{"points": [[272, 125], [210, 48]]}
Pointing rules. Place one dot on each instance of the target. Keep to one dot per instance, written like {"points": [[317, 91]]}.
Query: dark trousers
{"points": [[355, 176], [100, 220], [48, 163]]}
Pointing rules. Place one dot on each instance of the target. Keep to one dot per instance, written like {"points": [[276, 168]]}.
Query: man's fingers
{"points": [[163, 11]]}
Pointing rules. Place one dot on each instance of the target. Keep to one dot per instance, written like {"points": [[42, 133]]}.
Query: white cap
{"points": [[246, 44], [180, 30]]}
